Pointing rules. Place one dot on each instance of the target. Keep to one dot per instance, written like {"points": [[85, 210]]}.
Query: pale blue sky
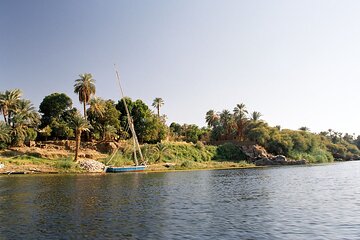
{"points": [[297, 62]]}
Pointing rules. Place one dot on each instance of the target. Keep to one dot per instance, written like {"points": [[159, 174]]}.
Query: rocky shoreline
{"points": [[260, 157]]}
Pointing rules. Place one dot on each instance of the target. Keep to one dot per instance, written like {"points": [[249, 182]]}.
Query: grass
{"points": [[317, 155], [183, 156]]}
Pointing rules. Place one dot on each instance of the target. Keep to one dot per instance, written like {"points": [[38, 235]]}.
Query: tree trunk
{"points": [[158, 110], [77, 142], [8, 118], [3, 112], [85, 111]]}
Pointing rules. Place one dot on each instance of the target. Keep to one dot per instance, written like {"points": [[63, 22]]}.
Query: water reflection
{"points": [[276, 203]]}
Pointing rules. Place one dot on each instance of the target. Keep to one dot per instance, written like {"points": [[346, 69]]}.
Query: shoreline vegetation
{"points": [[58, 137], [57, 157]]}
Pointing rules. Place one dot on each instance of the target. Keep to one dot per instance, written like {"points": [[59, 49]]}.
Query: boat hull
{"points": [[125, 169]]}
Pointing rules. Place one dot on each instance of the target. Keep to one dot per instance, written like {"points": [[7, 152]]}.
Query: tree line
{"points": [[106, 120], [57, 119], [240, 125]]}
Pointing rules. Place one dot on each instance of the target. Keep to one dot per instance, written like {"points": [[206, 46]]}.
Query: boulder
{"points": [[90, 165], [255, 152], [263, 162], [279, 159], [106, 147]]}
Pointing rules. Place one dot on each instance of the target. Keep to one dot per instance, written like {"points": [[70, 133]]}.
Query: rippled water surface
{"points": [[312, 202]]}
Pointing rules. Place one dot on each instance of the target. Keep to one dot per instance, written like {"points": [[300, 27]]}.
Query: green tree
{"points": [[160, 151], [240, 119], [79, 124], [104, 117], [85, 87], [4, 133], [158, 103], [259, 134], [255, 116], [109, 132], [53, 106], [26, 113], [212, 118], [227, 122], [23, 119], [280, 142], [155, 130], [191, 133], [141, 115], [8, 103], [175, 129], [97, 107]]}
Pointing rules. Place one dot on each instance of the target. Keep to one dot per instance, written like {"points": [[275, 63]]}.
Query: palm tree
{"points": [[8, 103], [21, 119], [26, 113], [240, 119], [4, 132], [109, 132], [97, 107], [160, 151], [226, 120], [255, 116], [79, 124], [212, 118], [85, 87], [18, 134], [157, 103]]}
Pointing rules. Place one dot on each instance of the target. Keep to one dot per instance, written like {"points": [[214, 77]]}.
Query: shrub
{"points": [[229, 151]]}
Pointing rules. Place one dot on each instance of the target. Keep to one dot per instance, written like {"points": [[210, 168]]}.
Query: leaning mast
{"points": [[131, 123]]}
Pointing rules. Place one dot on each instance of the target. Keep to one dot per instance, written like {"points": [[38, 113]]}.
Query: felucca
{"points": [[136, 146]]}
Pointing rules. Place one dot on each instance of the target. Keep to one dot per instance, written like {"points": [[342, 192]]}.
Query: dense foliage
{"points": [[106, 120], [149, 127], [20, 119], [296, 144]]}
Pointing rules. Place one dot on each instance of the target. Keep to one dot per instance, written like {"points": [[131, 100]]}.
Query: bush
{"points": [[186, 164], [188, 151], [229, 151], [317, 155]]}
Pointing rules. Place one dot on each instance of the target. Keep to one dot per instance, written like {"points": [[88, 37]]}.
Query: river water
{"points": [[302, 202]]}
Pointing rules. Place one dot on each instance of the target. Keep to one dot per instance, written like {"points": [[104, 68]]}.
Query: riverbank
{"points": [[33, 165], [57, 157]]}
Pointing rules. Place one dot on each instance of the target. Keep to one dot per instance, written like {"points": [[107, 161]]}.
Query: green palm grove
{"points": [[106, 120]]}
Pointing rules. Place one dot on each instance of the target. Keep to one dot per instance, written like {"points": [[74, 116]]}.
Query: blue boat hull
{"points": [[125, 169]]}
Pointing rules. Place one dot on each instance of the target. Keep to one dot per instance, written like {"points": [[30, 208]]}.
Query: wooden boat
{"points": [[125, 169], [138, 167]]}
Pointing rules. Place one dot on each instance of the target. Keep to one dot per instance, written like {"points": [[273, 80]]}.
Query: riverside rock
{"points": [[106, 147], [260, 157], [255, 152], [278, 160], [90, 165]]}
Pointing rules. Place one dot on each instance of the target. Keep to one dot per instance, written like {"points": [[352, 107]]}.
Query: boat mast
{"points": [[131, 123]]}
